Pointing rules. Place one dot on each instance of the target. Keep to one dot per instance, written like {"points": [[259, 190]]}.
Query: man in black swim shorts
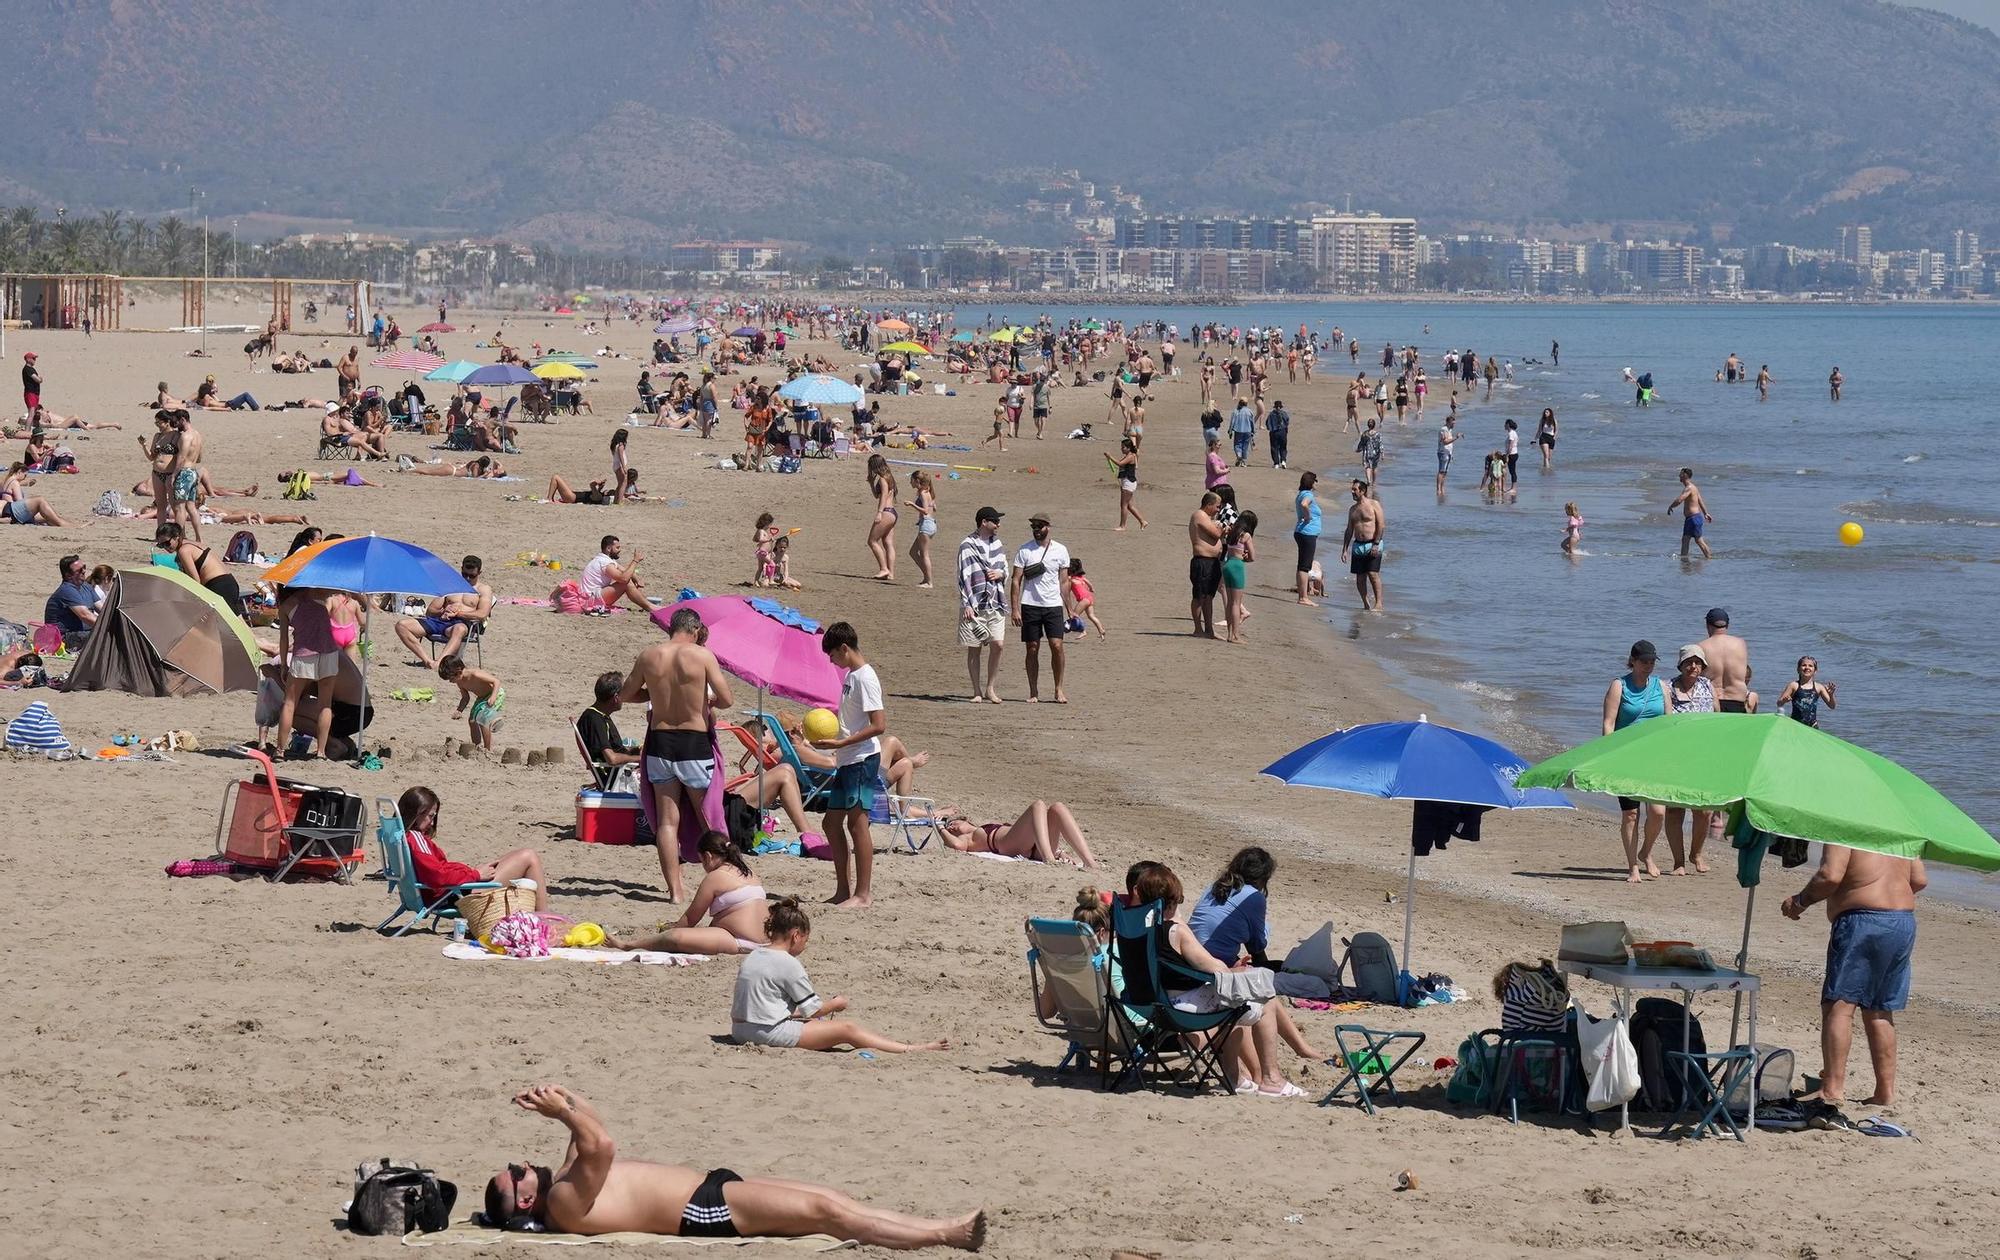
{"points": [[597, 1191], [1205, 566]]}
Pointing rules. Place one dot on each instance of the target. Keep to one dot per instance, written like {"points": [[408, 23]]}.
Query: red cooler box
{"points": [[607, 817]]}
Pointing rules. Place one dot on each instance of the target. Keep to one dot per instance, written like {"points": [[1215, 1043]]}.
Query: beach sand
{"points": [[196, 1066]]}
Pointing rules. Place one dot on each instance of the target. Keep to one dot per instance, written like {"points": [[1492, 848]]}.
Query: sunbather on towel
{"points": [[435, 872], [775, 1005], [1254, 1040], [1039, 833], [729, 896], [595, 1191]]}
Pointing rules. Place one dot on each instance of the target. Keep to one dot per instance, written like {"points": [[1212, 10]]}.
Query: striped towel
{"points": [[36, 730]]}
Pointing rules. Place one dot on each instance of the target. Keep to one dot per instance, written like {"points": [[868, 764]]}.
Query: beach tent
{"points": [[162, 634]]}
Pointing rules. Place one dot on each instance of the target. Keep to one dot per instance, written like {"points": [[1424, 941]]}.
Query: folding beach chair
{"points": [[1544, 1068], [401, 874], [813, 781], [1149, 979], [1072, 991], [1371, 1057], [912, 819]]}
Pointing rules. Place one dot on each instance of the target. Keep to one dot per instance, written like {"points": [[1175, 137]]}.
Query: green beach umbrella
{"points": [[1792, 780]]}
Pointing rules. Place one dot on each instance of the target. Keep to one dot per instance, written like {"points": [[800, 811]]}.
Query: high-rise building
{"points": [[1366, 249], [1964, 248], [1664, 266], [1857, 246]]}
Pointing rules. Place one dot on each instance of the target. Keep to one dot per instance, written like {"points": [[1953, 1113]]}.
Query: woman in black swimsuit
{"points": [[201, 565]]}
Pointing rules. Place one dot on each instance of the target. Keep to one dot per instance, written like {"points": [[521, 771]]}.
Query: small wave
{"points": [[1487, 691], [1877, 512], [1911, 459], [1592, 397]]}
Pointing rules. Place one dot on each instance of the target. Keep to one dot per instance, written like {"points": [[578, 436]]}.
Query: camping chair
{"points": [[326, 828], [913, 819], [605, 778], [1072, 992], [1146, 1011], [475, 632], [1372, 1058], [401, 874], [1708, 1082], [813, 781], [536, 404], [334, 446]]}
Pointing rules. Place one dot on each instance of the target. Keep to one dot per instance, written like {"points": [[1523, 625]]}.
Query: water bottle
{"points": [[458, 931]]}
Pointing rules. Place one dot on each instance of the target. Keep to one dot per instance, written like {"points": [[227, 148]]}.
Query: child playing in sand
{"points": [[1572, 528], [482, 691], [762, 538], [774, 1004], [1084, 598], [781, 564]]}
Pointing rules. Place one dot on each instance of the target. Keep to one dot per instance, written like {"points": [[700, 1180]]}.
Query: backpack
{"points": [[396, 1198], [1656, 1029], [299, 487], [242, 547], [1371, 968], [110, 503], [742, 820]]}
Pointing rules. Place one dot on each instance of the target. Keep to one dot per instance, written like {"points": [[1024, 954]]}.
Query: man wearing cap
{"points": [[31, 382], [1727, 661], [1040, 595], [982, 601]]}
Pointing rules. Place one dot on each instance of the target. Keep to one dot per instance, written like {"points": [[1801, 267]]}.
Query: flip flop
{"points": [[1876, 1126]]}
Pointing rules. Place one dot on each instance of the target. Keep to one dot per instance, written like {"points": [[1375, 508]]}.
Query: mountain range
{"points": [[850, 122]]}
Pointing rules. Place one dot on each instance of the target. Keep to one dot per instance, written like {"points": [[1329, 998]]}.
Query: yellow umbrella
{"points": [[905, 347], [1005, 335], [559, 372]]}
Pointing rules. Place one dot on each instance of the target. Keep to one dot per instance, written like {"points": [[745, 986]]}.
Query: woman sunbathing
{"points": [[774, 1003], [731, 898], [483, 467], [560, 491], [435, 872], [1039, 833], [42, 418]]}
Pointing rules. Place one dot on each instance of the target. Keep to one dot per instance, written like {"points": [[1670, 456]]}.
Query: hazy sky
{"points": [[1986, 12]]}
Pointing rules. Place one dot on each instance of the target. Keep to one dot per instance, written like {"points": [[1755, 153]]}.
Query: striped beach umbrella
{"points": [[408, 361]]}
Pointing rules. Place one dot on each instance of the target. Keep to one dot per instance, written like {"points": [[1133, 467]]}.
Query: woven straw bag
{"points": [[482, 909]]}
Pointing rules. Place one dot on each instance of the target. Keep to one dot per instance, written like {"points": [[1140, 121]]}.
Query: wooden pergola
{"points": [[63, 301]]}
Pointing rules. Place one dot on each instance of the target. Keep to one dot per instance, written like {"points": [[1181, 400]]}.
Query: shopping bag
{"points": [[1609, 1061]]}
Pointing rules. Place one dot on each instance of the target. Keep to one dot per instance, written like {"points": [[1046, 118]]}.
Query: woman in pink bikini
{"points": [[729, 896]]}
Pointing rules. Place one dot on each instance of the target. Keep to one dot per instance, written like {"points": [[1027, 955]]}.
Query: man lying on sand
{"points": [[595, 1192]]}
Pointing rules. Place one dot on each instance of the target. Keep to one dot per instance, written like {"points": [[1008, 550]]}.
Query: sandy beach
{"points": [[196, 1065]]}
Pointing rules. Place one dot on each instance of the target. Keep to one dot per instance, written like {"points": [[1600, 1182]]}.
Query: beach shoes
{"points": [[1246, 1087], [1826, 1116], [1289, 1091], [1781, 1117]]}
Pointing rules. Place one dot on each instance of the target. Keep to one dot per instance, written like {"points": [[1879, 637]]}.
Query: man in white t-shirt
{"points": [[857, 756], [1041, 603], [606, 581]]}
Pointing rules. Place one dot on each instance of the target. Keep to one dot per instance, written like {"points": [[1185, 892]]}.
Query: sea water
{"points": [[1490, 625]]}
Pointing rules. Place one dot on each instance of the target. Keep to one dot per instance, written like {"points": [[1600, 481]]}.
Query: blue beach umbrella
{"points": [[454, 372], [501, 374], [820, 390], [1414, 761]]}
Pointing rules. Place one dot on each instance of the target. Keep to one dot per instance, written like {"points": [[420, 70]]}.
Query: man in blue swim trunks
{"points": [[450, 619], [1871, 900], [598, 1190], [1696, 515]]}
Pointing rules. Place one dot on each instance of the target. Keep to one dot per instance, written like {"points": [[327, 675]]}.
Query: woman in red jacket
{"points": [[435, 872]]}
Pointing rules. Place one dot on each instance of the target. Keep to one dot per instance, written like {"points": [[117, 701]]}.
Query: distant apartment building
{"points": [[1857, 246], [1722, 279], [1365, 250], [1964, 248], [1289, 237], [723, 255], [1663, 266]]}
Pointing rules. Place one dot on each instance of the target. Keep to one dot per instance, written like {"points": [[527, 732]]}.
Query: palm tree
{"points": [[108, 240], [171, 247]]}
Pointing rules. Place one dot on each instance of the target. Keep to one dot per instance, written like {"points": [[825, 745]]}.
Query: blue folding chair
{"points": [[813, 780], [1150, 979], [401, 874]]}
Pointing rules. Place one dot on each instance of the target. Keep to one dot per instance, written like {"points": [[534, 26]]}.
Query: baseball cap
{"points": [[1718, 617], [28, 355], [987, 514], [1691, 652], [1644, 650]]}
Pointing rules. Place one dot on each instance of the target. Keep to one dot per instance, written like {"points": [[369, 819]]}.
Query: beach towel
{"points": [[712, 816], [36, 729], [467, 951], [469, 1232]]}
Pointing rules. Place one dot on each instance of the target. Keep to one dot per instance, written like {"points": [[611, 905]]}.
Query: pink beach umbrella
{"points": [[407, 361]]}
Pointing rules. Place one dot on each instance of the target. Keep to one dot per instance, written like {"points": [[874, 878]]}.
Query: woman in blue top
{"points": [[1229, 918], [1306, 532], [1632, 697]]}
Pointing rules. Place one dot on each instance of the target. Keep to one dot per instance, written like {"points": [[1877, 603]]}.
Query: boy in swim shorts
{"points": [[482, 691]]}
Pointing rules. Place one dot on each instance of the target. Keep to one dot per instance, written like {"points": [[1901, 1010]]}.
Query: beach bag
{"points": [[1772, 1078], [483, 910], [569, 598], [1657, 1031], [742, 820], [242, 547], [1603, 942], [1371, 968], [1468, 1080], [109, 504], [393, 1198], [299, 487], [1610, 1063]]}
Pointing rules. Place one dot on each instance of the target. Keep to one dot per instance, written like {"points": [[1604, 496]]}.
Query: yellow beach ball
{"points": [[1851, 534], [822, 724]]}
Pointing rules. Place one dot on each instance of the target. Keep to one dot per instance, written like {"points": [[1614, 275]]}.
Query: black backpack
{"points": [[1656, 1030], [392, 1198], [742, 818]]}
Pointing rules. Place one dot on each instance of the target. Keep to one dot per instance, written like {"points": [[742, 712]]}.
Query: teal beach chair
{"points": [[402, 876]]}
